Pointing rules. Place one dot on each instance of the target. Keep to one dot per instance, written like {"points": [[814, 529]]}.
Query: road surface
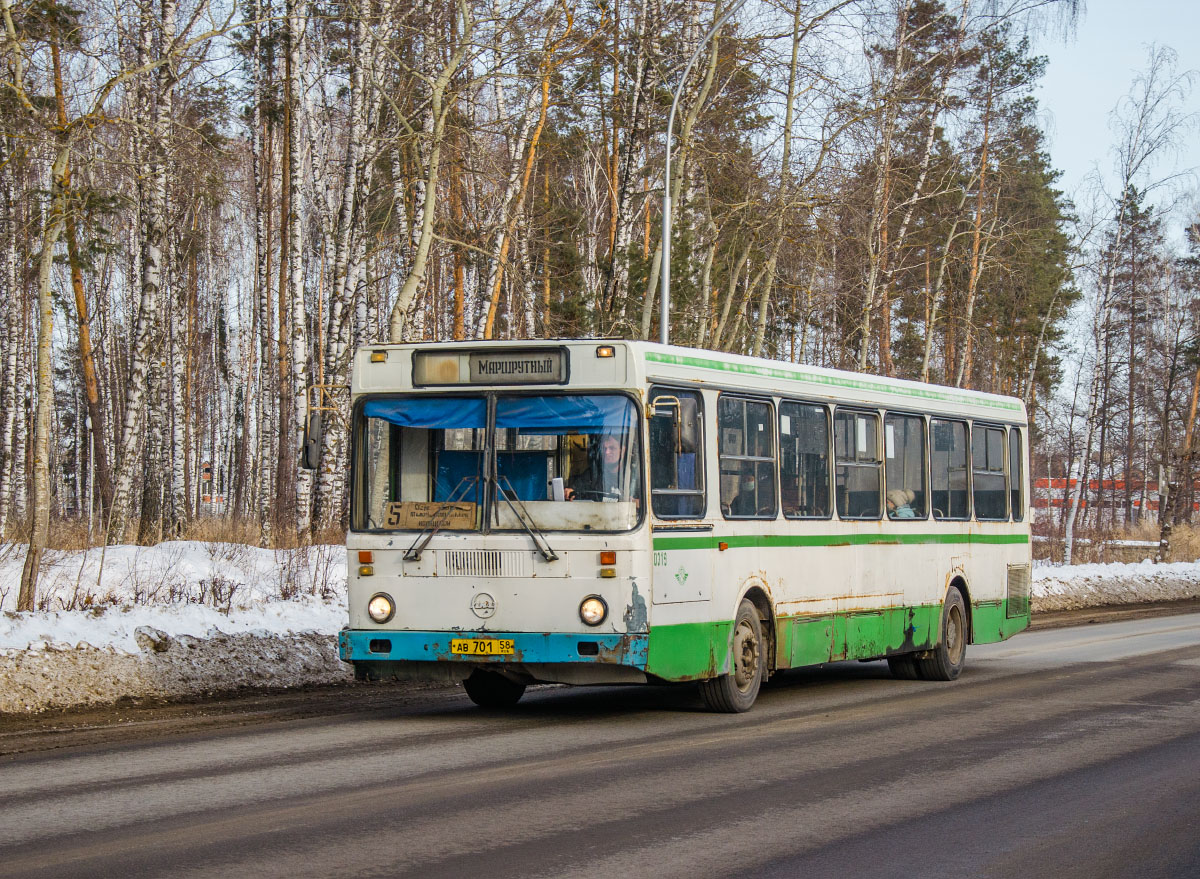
{"points": [[1061, 753]]}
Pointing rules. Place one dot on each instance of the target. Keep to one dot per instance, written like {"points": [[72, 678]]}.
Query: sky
{"points": [[1090, 70]]}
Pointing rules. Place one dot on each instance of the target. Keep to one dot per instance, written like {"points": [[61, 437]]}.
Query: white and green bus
{"points": [[607, 512]]}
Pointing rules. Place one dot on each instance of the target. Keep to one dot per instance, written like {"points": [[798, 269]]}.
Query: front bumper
{"points": [[357, 645]]}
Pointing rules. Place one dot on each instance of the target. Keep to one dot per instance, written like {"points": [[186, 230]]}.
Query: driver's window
{"points": [[676, 454]]}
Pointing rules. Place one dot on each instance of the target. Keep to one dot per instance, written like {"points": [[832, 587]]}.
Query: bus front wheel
{"points": [[945, 662], [490, 690], [736, 692]]}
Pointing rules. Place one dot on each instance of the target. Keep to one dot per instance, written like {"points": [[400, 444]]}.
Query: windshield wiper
{"points": [[438, 519], [531, 528]]}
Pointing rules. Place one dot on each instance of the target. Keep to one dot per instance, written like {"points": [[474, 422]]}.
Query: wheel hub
{"points": [[745, 652], [954, 639]]}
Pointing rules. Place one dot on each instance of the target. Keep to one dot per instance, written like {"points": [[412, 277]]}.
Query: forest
{"points": [[205, 207]]}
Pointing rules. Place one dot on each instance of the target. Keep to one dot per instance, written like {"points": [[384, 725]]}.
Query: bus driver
{"points": [[603, 479]]}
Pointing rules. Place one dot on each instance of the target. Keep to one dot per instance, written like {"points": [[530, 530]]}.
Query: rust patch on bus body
{"points": [[635, 616]]}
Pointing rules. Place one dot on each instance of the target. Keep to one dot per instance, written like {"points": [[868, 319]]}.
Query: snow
{"points": [[1060, 587], [176, 619], [188, 617], [100, 597]]}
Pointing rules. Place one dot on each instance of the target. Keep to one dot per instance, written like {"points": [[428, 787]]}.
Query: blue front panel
{"points": [[553, 647]]}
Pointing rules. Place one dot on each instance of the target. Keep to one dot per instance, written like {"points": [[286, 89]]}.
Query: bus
{"points": [[612, 512]]}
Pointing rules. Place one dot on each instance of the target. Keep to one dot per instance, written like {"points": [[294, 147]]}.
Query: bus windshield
{"points": [[561, 462]]}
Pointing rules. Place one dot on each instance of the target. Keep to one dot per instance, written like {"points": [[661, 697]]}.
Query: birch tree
{"points": [[1147, 120], [437, 82]]}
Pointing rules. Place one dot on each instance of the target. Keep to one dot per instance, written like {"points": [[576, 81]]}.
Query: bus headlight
{"points": [[593, 610], [381, 608]]}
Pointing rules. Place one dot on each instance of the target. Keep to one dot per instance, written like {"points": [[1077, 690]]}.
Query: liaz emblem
{"points": [[483, 605], [681, 576]]}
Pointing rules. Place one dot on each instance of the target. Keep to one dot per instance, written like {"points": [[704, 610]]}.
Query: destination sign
{"points": [[546, 366], [509, 368]]}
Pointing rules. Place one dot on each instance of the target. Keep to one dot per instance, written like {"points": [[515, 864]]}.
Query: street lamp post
{"points": [[665, 275]]}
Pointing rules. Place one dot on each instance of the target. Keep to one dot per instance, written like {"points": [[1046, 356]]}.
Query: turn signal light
{"points": [[608, 573], [365, 556], [379, 357], [366, 570], [608, 557], [605, 351]]}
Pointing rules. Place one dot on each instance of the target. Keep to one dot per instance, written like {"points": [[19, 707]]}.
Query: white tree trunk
{"points": [[642, 82], [685, 136], [264, 446], [26, 598], [297, 20], [438, 87], [154, 222], [177, 509], [12, 333]]}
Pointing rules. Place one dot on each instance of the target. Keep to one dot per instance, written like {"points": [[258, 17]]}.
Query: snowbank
{"points": [[189, 617], [49, 676], [177, 619], [1059, 587]]}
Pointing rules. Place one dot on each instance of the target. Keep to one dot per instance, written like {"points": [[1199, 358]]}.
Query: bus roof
{"points": [[636, 364]]}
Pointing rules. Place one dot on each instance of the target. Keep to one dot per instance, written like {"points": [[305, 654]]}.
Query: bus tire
{"points": [[903, 666], [487, 689], [734, 693], [945, 661]]}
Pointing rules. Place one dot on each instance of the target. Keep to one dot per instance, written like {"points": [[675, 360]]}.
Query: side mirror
{"points": [[310, 452]]}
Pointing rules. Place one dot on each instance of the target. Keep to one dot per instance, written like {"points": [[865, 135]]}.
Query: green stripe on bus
{"points": [[856, 384], [765, 541]]}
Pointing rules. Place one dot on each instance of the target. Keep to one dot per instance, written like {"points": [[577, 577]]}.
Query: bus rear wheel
{"points": [[903, 666], [487, 689], [945, 661], [735, 692]]}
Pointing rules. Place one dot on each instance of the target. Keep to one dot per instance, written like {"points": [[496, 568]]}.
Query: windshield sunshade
{"points": [[448, 413]]}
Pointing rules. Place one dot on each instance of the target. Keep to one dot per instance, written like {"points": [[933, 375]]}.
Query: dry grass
{"points": [[222, 530], [1099, 546], [72, 534]]}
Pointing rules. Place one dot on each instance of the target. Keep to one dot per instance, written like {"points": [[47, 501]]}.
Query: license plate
{"points": [[481, 646]]}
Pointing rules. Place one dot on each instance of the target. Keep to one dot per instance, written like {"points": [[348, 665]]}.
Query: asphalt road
{"points": [[1063, 753]]}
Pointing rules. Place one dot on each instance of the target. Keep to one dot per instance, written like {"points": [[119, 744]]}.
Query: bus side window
{"points": [[676, 454], [746, 440], [904, 462], [804, 460], [987, 476], [1016, 475], [857, 465], [948, 460]]}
